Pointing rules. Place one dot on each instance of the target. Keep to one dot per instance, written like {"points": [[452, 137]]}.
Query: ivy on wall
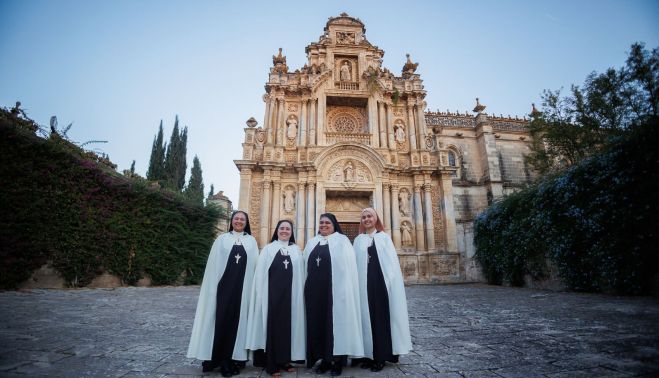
{"points": [[60, 205], [597, 222]]}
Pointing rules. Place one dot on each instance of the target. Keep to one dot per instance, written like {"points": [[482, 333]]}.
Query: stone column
{"points": [[373, 122], [430, 227], [421, 122], [487, 147], [386, 217], [270, 129], [395, 218], [312, 123], [382, 121], [276, 201], [411, 128], [299, 211], [390, 127], [281, 122], [265, 213], [303, 123], [266, 117], [311, 215], [245, 193], [418, 219], [449, 212], [320, 128]]}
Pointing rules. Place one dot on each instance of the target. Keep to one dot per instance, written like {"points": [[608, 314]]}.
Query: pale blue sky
{"points": [[116, 68]]}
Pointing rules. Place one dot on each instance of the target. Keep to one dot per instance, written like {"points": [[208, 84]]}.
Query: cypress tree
{"points": [[156, 169], [181, 161], [212, 191], [175, 164], [195, 188]]}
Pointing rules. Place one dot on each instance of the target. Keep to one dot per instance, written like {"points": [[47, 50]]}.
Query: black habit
{"points": [[318, 299], [229, 294], [378, 308], [278, 334]]}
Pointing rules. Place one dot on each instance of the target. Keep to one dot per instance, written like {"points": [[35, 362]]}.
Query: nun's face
{"points": [[284, 231], [368, 220], [238, 222], [325, 226]]}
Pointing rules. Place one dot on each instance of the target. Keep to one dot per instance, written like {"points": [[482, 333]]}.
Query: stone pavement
{"points": [[469, 330]]}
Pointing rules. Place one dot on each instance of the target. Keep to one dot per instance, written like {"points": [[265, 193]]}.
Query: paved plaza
{"points": [[469, 330]]}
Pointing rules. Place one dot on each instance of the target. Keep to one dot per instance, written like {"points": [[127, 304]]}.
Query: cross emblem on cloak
{"points": [[286, 264], [369, 258], [318, 261], [237, 257]]}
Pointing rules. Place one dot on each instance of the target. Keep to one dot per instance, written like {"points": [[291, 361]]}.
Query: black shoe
{"points": [[234, 368], [323, 367], [336, 370], [226, 369], [208, 366], [377, 366], [366, 364]]}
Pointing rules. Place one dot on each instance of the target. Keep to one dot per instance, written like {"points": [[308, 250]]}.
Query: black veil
{"points": [[247, 229]]}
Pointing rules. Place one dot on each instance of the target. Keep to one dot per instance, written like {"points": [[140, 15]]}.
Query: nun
{"points": [[220, 325], [331, 299], [275, 327], [385, 323]]}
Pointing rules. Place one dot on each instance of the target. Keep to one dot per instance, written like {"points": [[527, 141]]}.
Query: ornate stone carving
{"points": [[290, 157], [343, 204], [406, 230], [291, 127], [404, 200], [345, 71], [429, 142], [399, 131], [260, 136], [343, 119], [292, 108], [345, 38], [289, 198], [398, 111], [349, 171]]}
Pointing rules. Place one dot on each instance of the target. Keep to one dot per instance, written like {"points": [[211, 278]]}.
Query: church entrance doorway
{"points": [[350, 229]]}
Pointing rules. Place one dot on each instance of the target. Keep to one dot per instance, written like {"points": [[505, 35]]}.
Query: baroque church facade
{"points": [[343, 133]]}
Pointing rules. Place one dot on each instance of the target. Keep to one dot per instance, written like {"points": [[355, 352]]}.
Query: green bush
{"points": [[597, 222], [59, 204]]}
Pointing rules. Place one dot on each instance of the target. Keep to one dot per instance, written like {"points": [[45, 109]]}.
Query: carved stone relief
{"points": [[345, 204], [260, 136], [406, 230], [404, 200], [291, 127], [349, 171], [289, 198], [292, 108], [344, 119], [345, 38]]}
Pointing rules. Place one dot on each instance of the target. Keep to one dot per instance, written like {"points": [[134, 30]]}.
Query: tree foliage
{"points": [[156, 171], [195, 189], [573, 127], [175, 158], [61, 205]]}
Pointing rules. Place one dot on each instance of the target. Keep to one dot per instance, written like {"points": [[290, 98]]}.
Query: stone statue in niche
{"points": [[344, 71], [289, 199], [404, 204], [291, 130], [399, 131], [406, 233], [349, 172]]}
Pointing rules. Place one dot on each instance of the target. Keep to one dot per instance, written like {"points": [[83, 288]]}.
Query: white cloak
{"points": [[401, 341], [203, 330], [257, 324], [347, 326]]}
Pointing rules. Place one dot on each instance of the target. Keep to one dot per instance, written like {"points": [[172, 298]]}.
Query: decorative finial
{"points": [[251, 122], [479, 108], [535, 112], [409, 67], [344, 14]]}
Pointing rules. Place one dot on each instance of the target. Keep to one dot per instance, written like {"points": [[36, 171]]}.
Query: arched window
{"points": [[451, 159]]}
